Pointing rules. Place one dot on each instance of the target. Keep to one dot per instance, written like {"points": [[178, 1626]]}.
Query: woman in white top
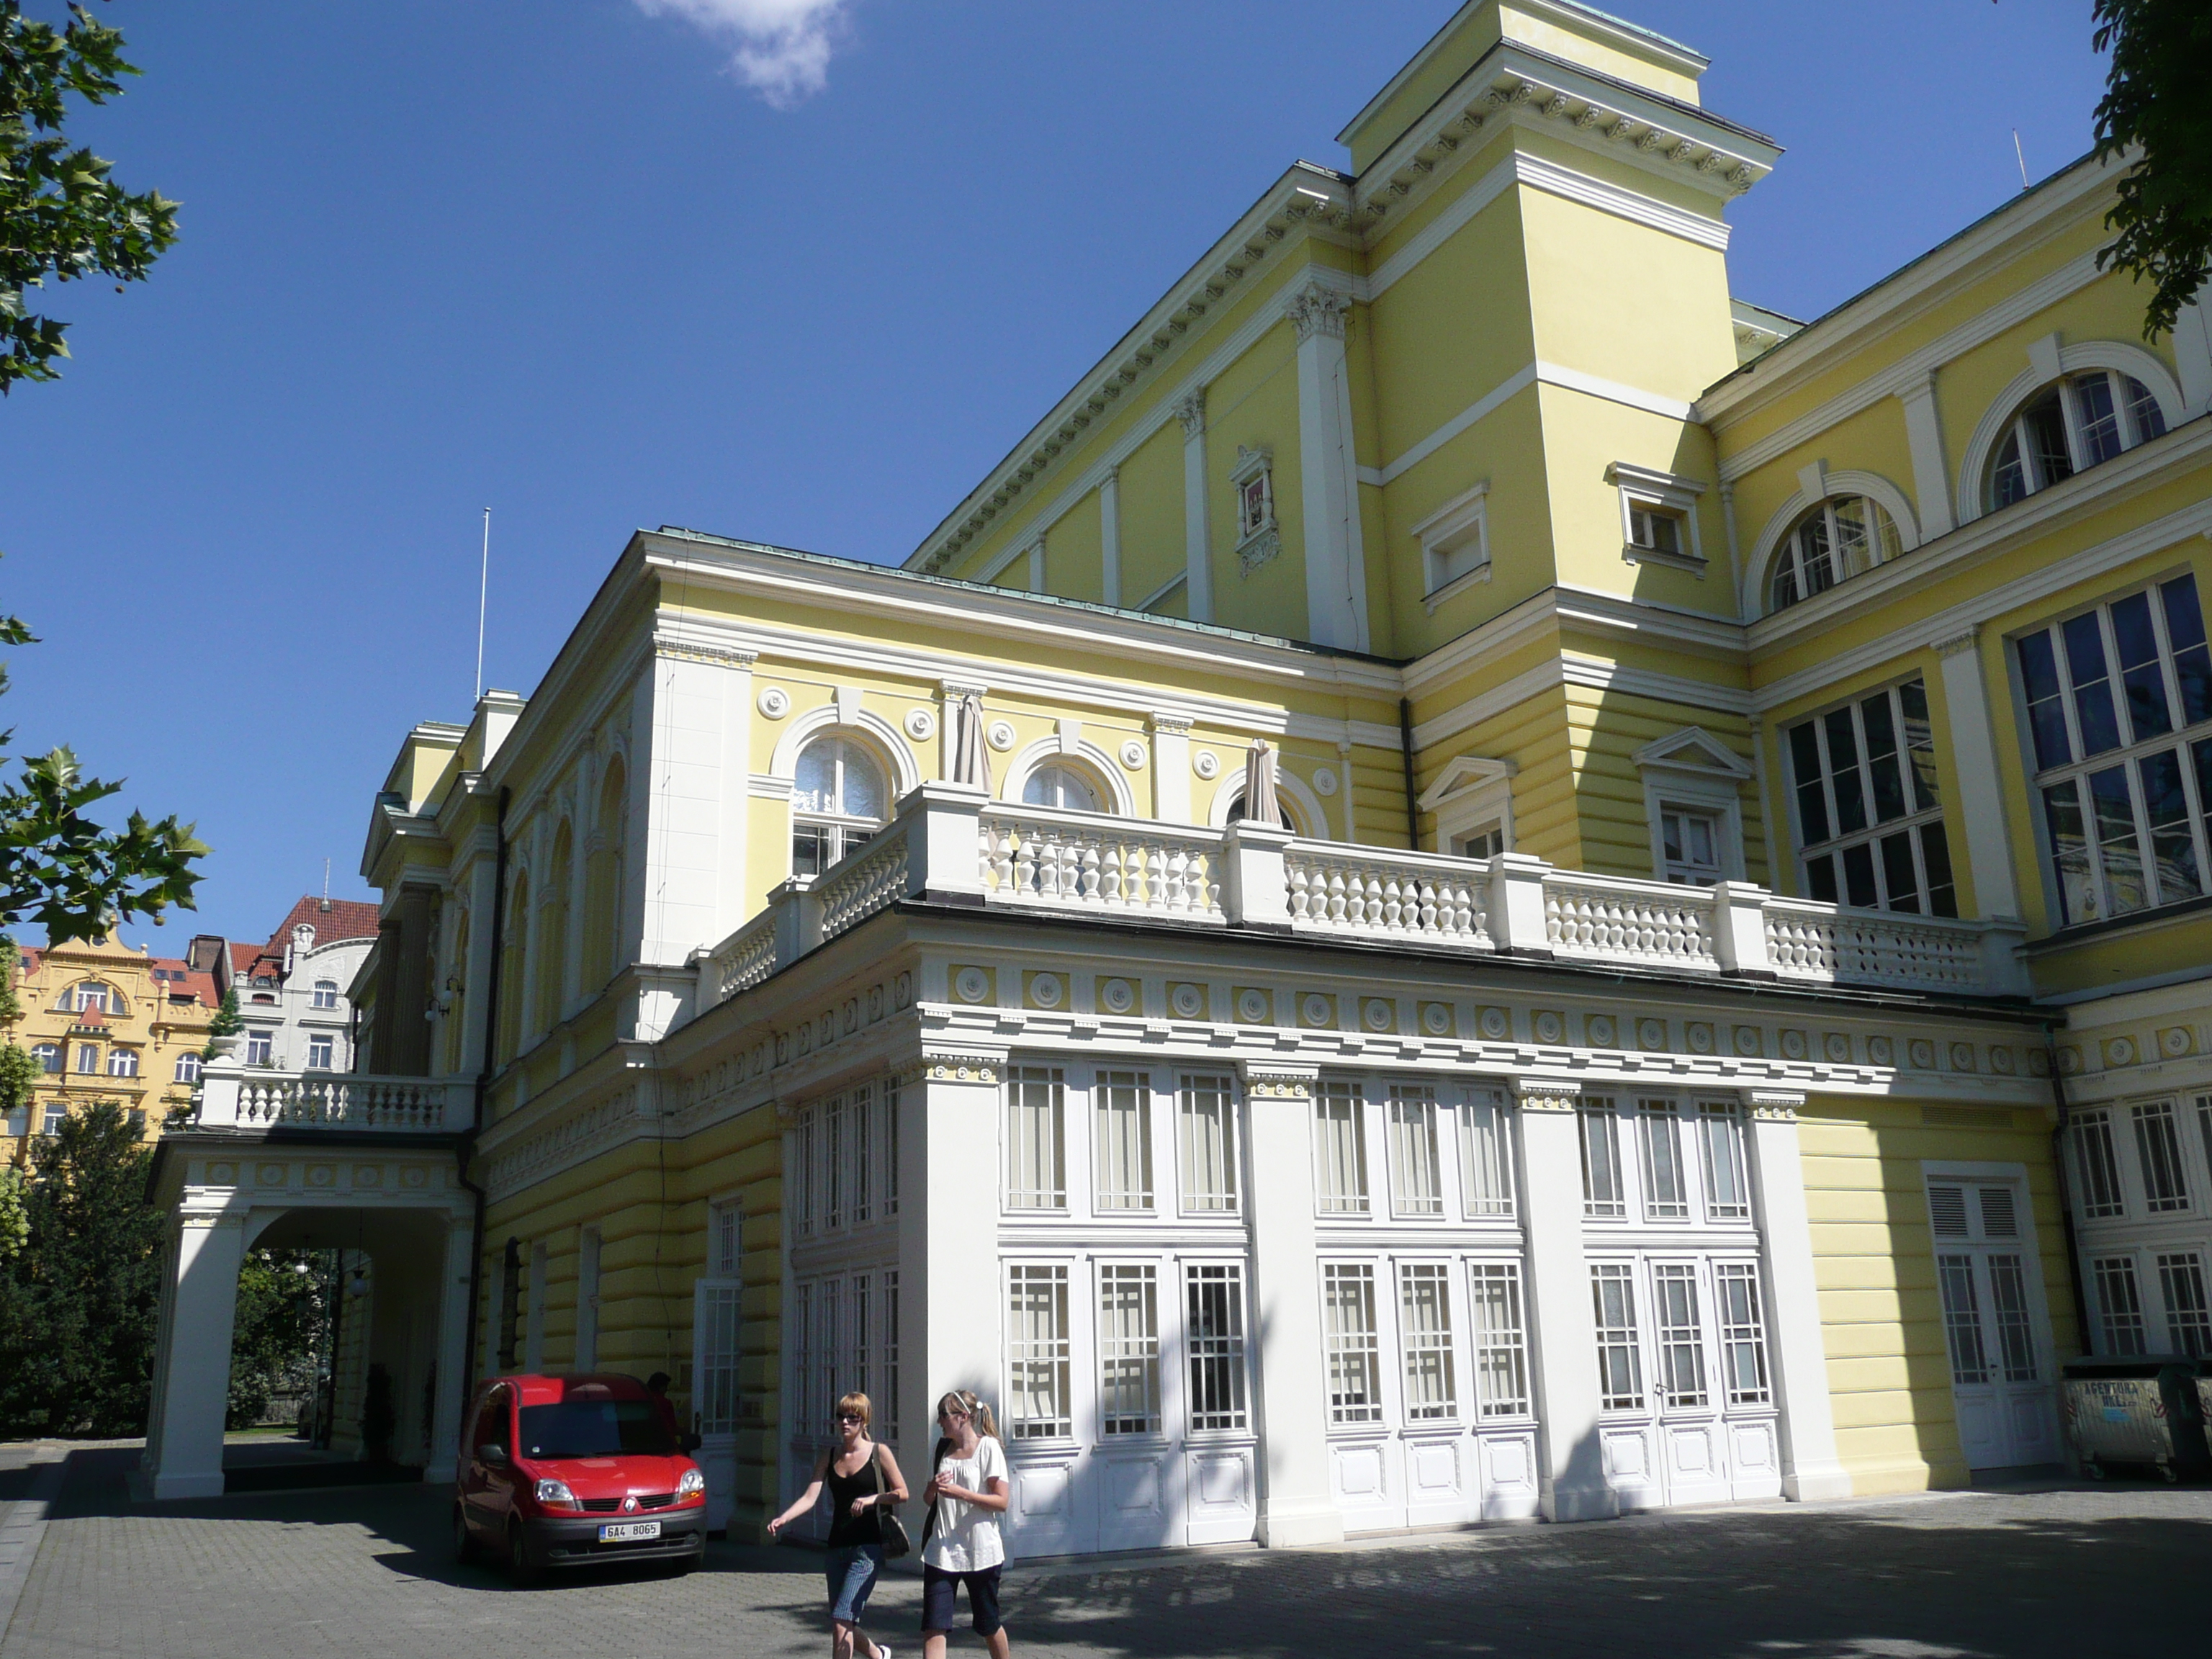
{"points": [[967, 1494]]}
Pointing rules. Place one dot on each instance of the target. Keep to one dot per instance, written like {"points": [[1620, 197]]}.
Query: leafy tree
{"points": [[18, 1071], [15, 1225], [281, 1318], [61, 215], [2157, 98], [78, 1301]]}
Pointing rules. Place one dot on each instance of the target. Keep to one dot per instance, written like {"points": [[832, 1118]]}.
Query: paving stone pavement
{"points": [[2085, 1574]]}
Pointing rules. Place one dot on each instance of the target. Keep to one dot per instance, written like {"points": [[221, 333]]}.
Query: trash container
{"points": [[2146, 1410]]}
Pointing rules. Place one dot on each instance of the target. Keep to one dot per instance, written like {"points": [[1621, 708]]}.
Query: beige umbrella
{"points": [[971, 758], [1260, 806]]}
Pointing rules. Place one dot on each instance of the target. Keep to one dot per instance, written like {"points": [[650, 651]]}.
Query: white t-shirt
{"points": [[966, 1537]]}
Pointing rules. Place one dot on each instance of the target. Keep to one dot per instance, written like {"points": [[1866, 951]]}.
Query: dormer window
{"points": [[1258, 539]]}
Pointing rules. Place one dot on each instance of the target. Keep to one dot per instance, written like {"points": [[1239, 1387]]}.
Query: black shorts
{"points": [[937, 1599]]}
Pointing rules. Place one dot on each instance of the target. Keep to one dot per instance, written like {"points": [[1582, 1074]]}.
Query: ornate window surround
{"points": [[2049, 360], [1472, 791], [1665, 492], [1098, 769], [1692, 769], [1259, 536], [1817, 484]]}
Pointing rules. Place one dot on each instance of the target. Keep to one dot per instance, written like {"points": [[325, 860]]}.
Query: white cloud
{"points": [[783, 45]]}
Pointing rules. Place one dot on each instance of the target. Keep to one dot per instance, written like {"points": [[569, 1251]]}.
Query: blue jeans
{"points": [[851, 1570]]}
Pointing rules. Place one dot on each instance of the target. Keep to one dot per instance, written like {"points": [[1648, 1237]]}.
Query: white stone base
{"points": [[1822, 1484], [148, 1488], [1295, 1523], [1578, 1502]]}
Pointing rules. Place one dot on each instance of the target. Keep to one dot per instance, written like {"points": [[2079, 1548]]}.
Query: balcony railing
{"points": [[237, 1097], [955, 843]]}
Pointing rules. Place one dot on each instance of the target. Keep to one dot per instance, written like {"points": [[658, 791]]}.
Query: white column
{"points": [[1931, 477], [1562, 1337], [1170, 767], [454, 1381], [1809, 1469], [951, 1287], [1198, 556], [1295, 1503], [1974, 761], [1328, 486], [1345, 789], [1109, 537], [192, 1373]]}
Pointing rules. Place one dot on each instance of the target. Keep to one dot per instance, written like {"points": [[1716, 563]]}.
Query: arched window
{"points": [[93, 996], [123, 1062], [1837, 540], [838, 803], [188, 1069], [1060, 786], [326, 994], [2067, 427], [1288, 808], [604, 879]]}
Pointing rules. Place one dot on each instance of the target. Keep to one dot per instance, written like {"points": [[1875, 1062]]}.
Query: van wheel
{"points": [[523, 1566], [467, 1550]]}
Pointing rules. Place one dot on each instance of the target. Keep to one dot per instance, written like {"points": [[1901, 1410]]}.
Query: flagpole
{"points": [[484, 593]]}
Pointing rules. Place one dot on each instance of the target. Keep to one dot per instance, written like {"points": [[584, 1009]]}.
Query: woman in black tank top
{"points": [[862, 1476]]}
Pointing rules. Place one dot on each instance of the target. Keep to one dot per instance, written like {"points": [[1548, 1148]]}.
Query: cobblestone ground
{"points": [[2075, 1573]]}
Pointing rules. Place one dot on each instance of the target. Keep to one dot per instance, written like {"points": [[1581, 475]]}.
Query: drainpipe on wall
{"points": [[2066, 1200], [484, 1078], [1405, 754]]}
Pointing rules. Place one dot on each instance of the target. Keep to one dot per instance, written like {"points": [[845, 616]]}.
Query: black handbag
{"points": [[896, 1543]]}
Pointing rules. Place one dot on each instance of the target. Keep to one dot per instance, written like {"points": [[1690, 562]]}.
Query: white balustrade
{"points": [[1094, 861], [1650, 923], [1420, 897], [862, 884], [743, 960], [1814, 941], [241, 1097]]}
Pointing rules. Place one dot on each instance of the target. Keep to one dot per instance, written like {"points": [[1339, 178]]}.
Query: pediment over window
{"points": [[1692, 750], [1463, 774]]}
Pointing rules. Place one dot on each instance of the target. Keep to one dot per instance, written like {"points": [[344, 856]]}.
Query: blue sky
{"points": [[604, 264]]}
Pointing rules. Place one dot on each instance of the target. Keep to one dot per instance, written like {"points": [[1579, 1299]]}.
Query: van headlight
{"points": [[690, 1483], [554, 1492]]}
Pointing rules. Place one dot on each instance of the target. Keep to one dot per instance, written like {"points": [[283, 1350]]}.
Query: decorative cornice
{"points": [[1268, 1079], [1546, 1094], [669, 647], [1957, 644], [962, 1065], [1314, 309], [1774, 1105]]}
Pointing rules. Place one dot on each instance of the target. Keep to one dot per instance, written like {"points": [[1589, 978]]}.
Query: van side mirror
{"points": [[687, 1442], [492, 1453]]}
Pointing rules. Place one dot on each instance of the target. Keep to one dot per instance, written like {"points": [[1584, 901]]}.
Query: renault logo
{"points": [[629, 1506]]}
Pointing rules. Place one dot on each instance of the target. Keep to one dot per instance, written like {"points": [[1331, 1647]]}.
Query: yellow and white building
{"points": [[1635, 1075]]}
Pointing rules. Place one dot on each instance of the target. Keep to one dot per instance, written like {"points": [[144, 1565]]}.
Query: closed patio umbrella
{"points": [[971, 758], [1260, 806]]}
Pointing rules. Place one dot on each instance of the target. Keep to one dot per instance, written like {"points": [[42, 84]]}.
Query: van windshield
{"points": [[595, 1428]]}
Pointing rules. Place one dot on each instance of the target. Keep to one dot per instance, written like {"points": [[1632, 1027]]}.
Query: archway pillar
{"points": [[192, 1357]]}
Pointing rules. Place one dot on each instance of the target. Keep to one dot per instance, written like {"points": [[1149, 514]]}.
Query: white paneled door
{"points": [[2002, 1370]]}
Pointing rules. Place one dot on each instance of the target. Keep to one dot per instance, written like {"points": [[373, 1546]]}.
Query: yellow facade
{"points": [[1520, 490]]}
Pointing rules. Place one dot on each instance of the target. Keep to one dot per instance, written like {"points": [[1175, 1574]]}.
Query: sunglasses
{"points": [[850, 1416]]}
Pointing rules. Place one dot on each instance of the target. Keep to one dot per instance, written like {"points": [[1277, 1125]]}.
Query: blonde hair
{"points": [[977, 1412], [856, 1402]]}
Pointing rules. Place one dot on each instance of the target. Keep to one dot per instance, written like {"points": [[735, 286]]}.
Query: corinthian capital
{"points": [[1191, 411], [1314, 310]]}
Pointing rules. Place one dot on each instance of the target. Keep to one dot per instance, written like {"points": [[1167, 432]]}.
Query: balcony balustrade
{"points": [[955, 844], [233, 1096]]}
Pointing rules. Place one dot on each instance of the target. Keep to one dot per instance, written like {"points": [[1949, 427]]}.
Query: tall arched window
{"points": [[839, 802], [1837, 540], [511, 988], [1067, 786], [549, 945], [2067, 427]]}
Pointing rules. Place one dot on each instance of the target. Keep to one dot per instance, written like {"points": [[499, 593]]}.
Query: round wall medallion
{"points": [[1793, 1045], [1746, 1039], [1495, 1024], [1325, 780], [1045, 990], [1962, 1056], [368, 1174], [414, 1175], [2001, 1059], [921, 724], [971, 985], [1839, 1049], [903, 992], [1205, 763], [773, 702], [270, 1175], [2174, 1040], [1436, 1019], [222, 1175], [1701, 1039], [1922, 1053], [1319, 1010], [875, 1005], [1880, 1050], [2120, 1051], [1651, 1033], [322, 1174], [2038, 1062], [1251, 1006], [852, 1014], [1000, 736], [2069, 1062], [1185, 1001], [1379, 1014], [1133, 755], [1600, 1030], [1549, 1027], [1117, 996]]}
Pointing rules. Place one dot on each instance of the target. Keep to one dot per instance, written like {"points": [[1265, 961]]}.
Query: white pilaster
{"points": [[1931, 477], [734, 907], [682, 802], [951, 1288], [1109, 537], [483, 888], [1198, 556], [579, 859], [191, 1374], [1974, 760], [1809, 1469], [1296, 1504], [1170, 767], [1563, 1340], [1328, 487]]}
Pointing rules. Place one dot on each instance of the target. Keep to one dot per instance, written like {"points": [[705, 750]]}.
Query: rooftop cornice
{"points": [[2027, 222], [1579, 609], [1308, 197]]}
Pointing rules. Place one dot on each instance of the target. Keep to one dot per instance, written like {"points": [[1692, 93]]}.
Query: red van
{"points": [[577, 1471]]}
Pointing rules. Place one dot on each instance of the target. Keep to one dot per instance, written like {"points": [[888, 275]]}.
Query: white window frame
{"points": [[325, 994], [1345, 1348], [843, 832], [326, 1045], [1189, 1200], [1054, 1351], [1913, 823], [1134, 1191], [1880, 548], [1343, 1193], [122, 1062], [1473, 794], [1455, 547], [1138, 1348], [1051, 1196], [1226, 1354], [1692, 770], [1669, 494]]}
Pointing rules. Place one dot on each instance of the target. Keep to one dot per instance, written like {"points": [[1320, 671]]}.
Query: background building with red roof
{"points": [[292, 991]]}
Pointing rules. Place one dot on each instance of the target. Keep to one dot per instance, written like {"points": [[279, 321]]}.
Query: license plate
{"points": [[623, 1532]]}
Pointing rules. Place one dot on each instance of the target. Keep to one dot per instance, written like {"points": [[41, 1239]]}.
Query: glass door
{"points": [[2001, 1368]]}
